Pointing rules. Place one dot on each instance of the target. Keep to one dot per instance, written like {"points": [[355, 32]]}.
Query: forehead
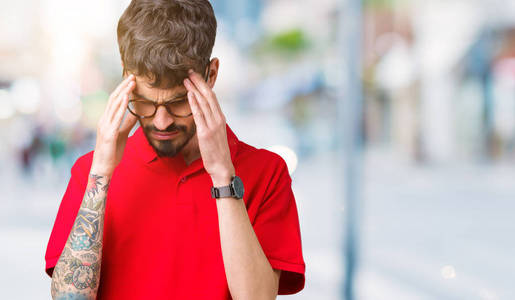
{"points": [[144, 88]]}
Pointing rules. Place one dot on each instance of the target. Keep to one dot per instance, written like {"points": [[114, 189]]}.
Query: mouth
{"points": [[163, 135]]}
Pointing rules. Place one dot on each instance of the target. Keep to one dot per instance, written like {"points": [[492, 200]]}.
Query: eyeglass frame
{"points": [[165, 104]]}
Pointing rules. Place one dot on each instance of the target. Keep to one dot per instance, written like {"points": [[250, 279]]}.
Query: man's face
{"points": [[167, 134]]}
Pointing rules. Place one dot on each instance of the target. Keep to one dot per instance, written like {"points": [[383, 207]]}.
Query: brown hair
{"points": [[162, 39]]}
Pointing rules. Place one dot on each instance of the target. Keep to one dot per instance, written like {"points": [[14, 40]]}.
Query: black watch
{"points": [[233, 190]]}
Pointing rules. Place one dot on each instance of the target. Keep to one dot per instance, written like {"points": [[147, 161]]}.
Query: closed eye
{"points": [[176, 101], [140, 100]]}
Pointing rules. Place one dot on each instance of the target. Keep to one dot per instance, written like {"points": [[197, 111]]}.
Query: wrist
{"points": [[223, 179], [101, 171], [101, 167]]}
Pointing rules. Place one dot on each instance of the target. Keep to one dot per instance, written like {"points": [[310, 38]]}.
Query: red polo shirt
{"points": [[161, 234]]}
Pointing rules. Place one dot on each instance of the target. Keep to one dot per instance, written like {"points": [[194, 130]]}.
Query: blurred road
{"points": [[437, 232]]}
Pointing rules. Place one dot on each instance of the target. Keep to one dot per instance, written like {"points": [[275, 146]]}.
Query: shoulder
{"points": [[262, 161], [82, 164], [266, 157]]}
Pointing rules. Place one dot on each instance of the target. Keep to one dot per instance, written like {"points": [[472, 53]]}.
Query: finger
{"points": [[197, 113], [118, 115], [199, 82], [208, 94], [121, 100], [116, 92], [122, 106], [115, 100], [201, 102], [127, 124], [123, 84]]}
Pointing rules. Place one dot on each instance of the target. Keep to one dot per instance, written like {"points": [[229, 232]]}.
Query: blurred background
{"points": [[396, 119]]}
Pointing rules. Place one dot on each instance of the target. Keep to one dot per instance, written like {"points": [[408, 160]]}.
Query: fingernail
{"points": [[190, 71]]}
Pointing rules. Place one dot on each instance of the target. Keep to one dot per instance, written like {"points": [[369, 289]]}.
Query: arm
{"points": [[249, 274], [77, 271]]}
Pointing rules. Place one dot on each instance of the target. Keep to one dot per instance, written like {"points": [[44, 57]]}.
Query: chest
{"points": [[169, 206], [161, 233]]}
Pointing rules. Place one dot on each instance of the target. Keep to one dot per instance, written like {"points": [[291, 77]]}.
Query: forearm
{"points": [[77, 272], [249, 274]]}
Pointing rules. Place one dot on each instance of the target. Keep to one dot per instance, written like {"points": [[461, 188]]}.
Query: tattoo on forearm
{"points": [[77, 273], [94, 184], [85, 233]]}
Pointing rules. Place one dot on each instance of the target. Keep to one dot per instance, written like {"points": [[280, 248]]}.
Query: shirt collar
{"points": [[149, 156]]}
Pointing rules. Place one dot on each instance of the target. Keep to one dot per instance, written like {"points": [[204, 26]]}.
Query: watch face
{"points": [[238, 187]]}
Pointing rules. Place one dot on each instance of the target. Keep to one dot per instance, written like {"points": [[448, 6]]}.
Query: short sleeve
{"points": [[277, 228], [66, 214]]}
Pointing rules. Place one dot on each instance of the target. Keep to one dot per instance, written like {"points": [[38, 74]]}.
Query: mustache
{"points": [[171, 128]]}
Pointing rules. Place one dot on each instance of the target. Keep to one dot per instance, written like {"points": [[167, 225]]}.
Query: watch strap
{"points": [[222, 192]]}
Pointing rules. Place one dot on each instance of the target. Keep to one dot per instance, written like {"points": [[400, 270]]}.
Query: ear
{"points": [[214, 65]]}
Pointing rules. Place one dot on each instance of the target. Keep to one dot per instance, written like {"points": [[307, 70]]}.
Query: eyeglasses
{"points": [[147, 109]]}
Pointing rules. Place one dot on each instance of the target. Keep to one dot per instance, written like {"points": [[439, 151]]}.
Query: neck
{"points": [[190, 158], [191, 151]]}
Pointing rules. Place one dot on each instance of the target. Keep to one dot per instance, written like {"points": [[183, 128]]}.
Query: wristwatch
{"points": [[233, 190]]}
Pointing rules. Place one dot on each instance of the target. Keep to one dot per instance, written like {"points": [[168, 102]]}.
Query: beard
{"points": [[173, 146]]}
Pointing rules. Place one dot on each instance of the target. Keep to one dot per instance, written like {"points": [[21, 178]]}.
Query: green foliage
{"points": [[291, 40], [382, 3], [286, 43]]}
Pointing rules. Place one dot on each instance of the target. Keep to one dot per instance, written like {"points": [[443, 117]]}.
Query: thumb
{"points": [[127, 124]]}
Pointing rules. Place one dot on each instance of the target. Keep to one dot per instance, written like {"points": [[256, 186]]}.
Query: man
{"points": [[182, 209]]}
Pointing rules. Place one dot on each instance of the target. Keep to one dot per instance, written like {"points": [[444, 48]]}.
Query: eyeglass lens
{"points": [[178, 108], [144, 108]]}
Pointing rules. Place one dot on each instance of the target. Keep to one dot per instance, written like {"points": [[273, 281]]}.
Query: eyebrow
{"points": [[174, 98]]}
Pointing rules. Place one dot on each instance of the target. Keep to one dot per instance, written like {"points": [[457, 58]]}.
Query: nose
{"points": [[162, 118]]}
